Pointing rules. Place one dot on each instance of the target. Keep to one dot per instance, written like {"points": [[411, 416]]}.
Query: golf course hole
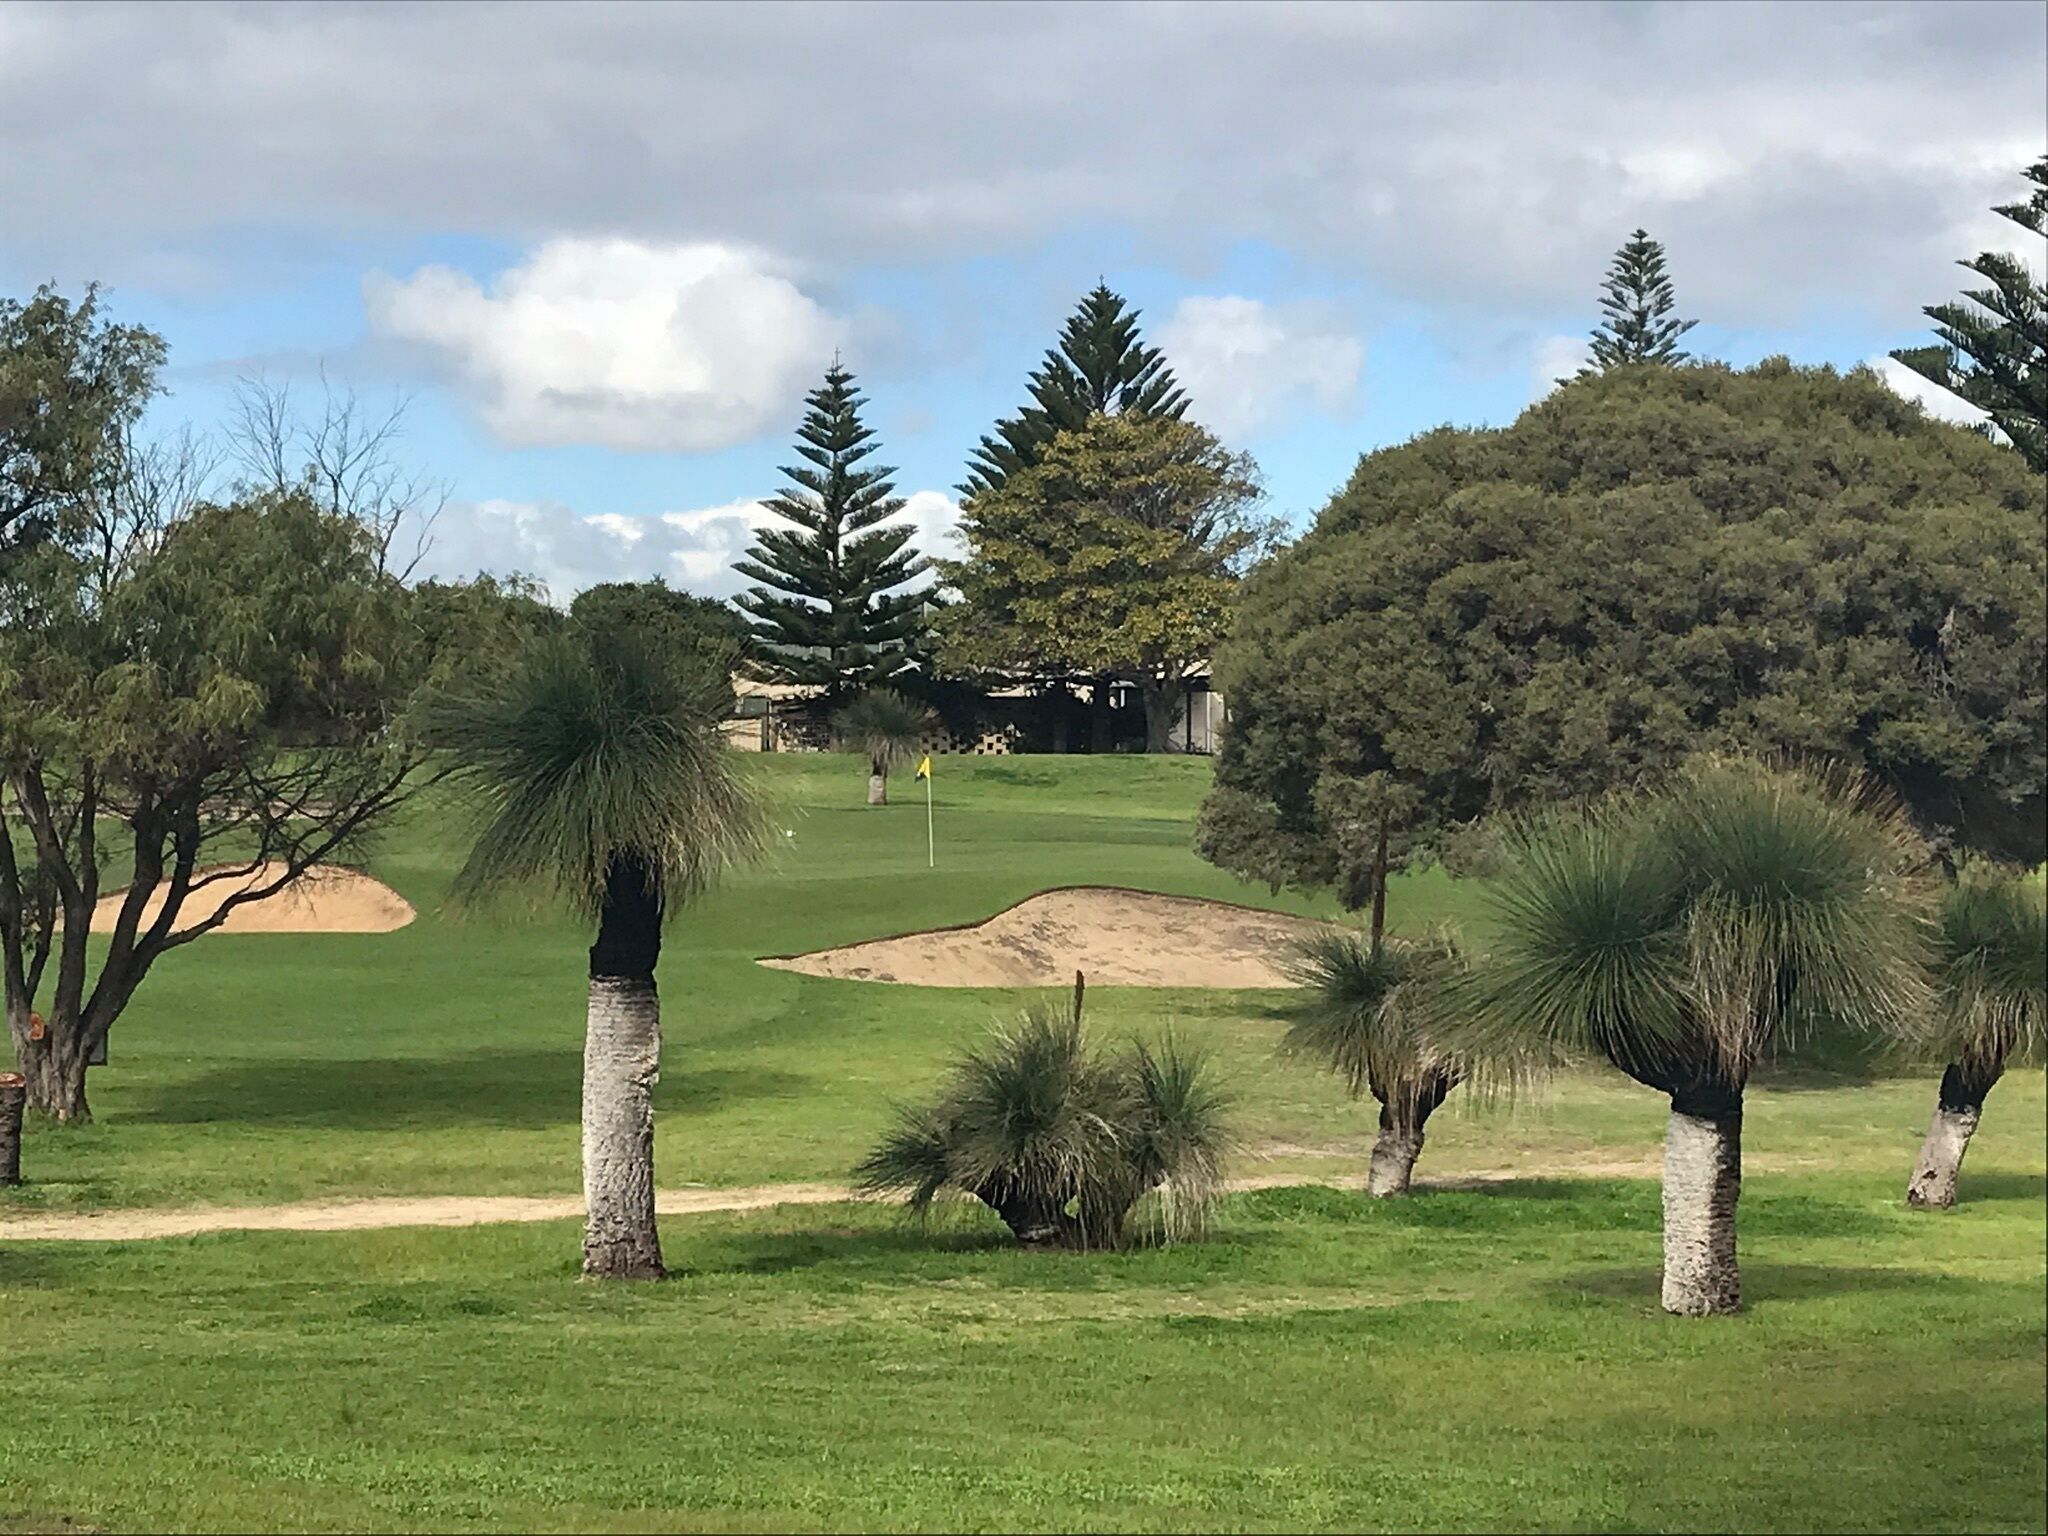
{"points": [[323, 900], [1118, 937]]}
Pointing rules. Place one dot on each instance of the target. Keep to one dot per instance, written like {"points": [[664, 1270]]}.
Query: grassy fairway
{"points": [[1469, 1358]]}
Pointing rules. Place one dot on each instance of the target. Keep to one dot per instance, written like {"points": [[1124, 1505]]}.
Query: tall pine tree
{"points": [[1099, 367], [828, 612], [1995, 359], [1638, 327]]}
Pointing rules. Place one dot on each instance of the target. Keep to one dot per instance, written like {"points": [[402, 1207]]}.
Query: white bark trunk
{"points": [[1941, 1157], [878, 789], [1393, 1161], [1702, 1183], [621, 1061]]}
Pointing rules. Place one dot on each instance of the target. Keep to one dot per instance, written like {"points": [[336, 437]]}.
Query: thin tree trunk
{"points": [[878, 789], [621, 1062], [13, 1096], [1702, 1183], [1956, 1112]]}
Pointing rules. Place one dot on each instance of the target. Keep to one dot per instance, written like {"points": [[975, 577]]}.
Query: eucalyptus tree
{"points": [[1992, 975], [1687, 933], [210, 697], [885, 728], [601, 778]]}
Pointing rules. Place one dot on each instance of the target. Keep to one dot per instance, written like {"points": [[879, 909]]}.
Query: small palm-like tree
{"points": [[1991, 975], [1061, 1142], [602, 778], [886, 727], [1685, 934], [1377, 1013]]}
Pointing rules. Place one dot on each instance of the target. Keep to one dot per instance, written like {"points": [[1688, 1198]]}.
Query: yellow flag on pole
{"points": [[924, 766]]}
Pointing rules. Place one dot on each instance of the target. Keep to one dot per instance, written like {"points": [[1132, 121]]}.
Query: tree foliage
{"points": [[72, 386], [1099, 368], [883, 726], [1993, 350], [701, 636], [1119, 550], [212, 702], [1686, 933], [830, 610], [1638, 301], [586, 751], [1992, 969], [1648, 562]]}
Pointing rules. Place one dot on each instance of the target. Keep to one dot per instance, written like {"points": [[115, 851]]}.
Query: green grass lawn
{"points": [[1472, 1358]]}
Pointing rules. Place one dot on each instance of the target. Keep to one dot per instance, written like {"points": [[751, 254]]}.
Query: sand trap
{"points": [[323, 900], [1120, 938]]}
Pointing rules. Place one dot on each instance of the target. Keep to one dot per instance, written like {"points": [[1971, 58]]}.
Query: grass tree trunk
{"points": [[1702, 1184], [1956, 1112], [878, 783], [621, 1062], [1402, 1117]]}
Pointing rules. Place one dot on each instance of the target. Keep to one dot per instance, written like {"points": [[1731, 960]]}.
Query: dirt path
{"points": [[483, 1210]]}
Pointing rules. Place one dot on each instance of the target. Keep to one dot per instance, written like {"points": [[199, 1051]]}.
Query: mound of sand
{"points": [[1119, 938], [323, 900]]}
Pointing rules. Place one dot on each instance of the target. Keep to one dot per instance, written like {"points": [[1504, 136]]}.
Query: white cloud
{"points": [[1247, 364], [1935, 401], [1557, 357], [1485, 156], [693, 549], [615, 342]]}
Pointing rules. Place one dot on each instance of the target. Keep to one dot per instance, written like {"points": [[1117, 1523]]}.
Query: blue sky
{"points": [[603, 250]]}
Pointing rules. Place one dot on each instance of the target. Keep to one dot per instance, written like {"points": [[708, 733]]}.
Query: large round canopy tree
{"points": [[1651, 561]]}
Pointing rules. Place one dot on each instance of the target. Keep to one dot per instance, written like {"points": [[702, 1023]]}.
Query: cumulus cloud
{"points": [[1247, 364], [1935, 401], [694, 549], [615, 342], [1557, 358], [1481, 155]]}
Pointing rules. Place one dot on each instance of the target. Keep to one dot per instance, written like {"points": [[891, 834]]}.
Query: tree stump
{"points": [[13, 1097]]}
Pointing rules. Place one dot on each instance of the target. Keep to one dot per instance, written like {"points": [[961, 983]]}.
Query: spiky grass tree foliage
{"points": [[1991, 972], [603, 781], [1061, 1141], [1685, 934], [887, 728], [1377, 1014]]}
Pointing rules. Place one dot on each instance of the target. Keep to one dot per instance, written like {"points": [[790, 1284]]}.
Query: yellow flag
{"points": [[924, 766]]}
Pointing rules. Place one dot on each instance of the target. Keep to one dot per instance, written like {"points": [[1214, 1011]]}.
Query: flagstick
{"points": [[931, 848]]}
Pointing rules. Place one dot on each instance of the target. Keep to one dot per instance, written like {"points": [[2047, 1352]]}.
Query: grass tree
{"points": [[1375, 1010], [1992, 974], [1687, 933], [602, 778], [885, 727], [1061, 1141]]}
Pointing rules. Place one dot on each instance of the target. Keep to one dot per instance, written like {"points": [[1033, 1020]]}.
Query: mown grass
{"points": [[1475, 1358], [1469, 1360]]}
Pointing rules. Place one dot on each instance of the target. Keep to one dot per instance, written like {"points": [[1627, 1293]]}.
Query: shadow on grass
{"points": [[1765, 1284], [1989, 1188], [521, 1090]]}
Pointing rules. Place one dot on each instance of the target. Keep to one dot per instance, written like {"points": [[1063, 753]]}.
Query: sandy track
{"points": [[484, 1210], [1120, 938]]}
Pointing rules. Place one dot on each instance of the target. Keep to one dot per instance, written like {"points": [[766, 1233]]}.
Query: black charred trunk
{"points": [[629, 922]]}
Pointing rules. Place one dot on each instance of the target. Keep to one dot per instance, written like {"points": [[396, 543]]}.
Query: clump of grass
{"points": [[1072, 1147]]}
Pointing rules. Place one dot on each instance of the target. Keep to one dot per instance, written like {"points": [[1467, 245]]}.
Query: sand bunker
{"points": [[323, 900], [1119, 938]]}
